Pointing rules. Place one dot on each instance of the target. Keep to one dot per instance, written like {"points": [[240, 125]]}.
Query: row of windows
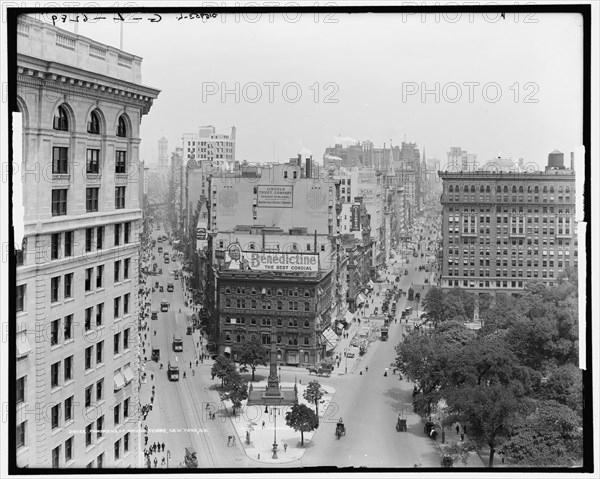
{"points": [[498, 273], [120, 341], [60, 161], [266, 339], [513, 199], [506, 209], [63, 242], [269, 291], [94, 125], [265, 321], [67, 279], [60, 200], [486, 284], [241, 304], [506, 189], [545, 242]]}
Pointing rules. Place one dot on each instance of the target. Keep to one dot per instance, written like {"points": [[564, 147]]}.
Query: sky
{"points": [[495, 87]]}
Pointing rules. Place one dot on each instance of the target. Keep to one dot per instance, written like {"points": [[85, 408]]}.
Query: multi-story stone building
{"points": [[77, 276], [501, 230], [209, 145], [281, 220]]}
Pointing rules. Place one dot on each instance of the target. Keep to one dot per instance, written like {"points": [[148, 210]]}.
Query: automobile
{"points": [[376, 310], [349, 355], [154, 315], [161, 289], [160, 250], [170, 287]]}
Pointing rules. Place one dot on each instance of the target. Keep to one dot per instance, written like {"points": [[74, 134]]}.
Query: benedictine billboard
{"points": [[294, 262]]}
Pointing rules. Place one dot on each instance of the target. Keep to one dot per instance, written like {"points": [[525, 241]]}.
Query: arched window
{"points": [[529, 189], [536, 189], [472, 188], [306, 323], [307, 306], [450, 189], [487, 189], [122, 127], [279, 322], [545, 190], [560, 189], [552, 189], [481, 190], [514, 189], [227, 302], [505, 189], [567, 189], [521, 189], [498, 189], [61, 119], [238, 339], [465, 189], [93, 125]]}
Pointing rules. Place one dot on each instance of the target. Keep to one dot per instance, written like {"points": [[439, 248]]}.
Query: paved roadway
{"points": [[369, 403]]}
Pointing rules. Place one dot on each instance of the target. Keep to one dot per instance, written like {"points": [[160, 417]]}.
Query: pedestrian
{"points": [[263, 424], [462, 437], [152, 377], [162, 462], [228, 440], [154, 333], [154, 446], [215, 415], [190, 365], [457, 429], [146, 441], [464, 429], [155, 462], [233, 440], [284, 447], [152, 399], [163, 447]]}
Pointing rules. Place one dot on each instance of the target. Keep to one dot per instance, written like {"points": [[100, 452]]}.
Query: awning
{"points": [[348, 317], [119, 381], [127, 375], [331, 339], [23, 346], [360, 298], [227, 350]]}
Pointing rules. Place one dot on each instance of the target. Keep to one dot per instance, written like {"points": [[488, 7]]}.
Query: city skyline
{"points": [[339, 77]]}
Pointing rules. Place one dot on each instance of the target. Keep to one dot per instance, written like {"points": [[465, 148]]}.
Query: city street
{"points": [[369, 402]]}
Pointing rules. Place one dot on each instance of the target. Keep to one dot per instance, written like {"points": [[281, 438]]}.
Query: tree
{"points": [[252, 353], [222, 368], [564, 385], [234, 390], [550, 435], [301, 418], [313, 394], [488, 409]]}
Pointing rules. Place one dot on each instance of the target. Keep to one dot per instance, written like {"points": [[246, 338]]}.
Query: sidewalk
{"points": [[256, 429]]}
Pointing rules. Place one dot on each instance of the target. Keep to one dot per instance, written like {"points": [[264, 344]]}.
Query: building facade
{"points": [[77, 275], [501, 230], [281, 211]]}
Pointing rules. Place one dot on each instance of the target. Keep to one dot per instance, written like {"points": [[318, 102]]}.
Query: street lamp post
{"points": [[274, 411], [168, 457]]}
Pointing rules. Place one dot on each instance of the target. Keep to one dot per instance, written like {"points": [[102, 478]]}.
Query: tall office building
{"points": [[210, 145], [501, 230], [81, 104]]}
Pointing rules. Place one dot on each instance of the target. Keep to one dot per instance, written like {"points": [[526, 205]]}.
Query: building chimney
{"points": [[309, 167], [573, 160]]}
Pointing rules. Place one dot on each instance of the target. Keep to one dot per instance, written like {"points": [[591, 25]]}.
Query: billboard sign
{"points": [[274, 196], [292, 262]]}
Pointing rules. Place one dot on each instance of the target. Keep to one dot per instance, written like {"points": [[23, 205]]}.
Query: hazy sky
{"points": [[362, 78]]}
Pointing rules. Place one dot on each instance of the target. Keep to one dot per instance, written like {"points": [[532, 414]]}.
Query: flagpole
{"points": [[121, 42]]}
